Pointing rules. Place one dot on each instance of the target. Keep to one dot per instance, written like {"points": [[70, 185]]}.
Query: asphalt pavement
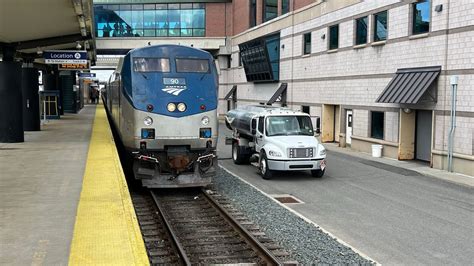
{"points": [[393, 215]]}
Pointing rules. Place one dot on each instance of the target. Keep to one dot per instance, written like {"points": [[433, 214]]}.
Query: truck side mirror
{"points": [[253, 126]]}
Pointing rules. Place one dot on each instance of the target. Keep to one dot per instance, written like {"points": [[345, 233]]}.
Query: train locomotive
{"points": [[162, 100]]}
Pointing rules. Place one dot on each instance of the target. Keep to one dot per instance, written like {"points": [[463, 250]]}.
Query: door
{"points": [[348, 126], [423, 135], [259, 134]]}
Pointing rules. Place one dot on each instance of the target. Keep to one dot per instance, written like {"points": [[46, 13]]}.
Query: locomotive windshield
{"points": [[141, 64], [289, 125], [192, 65]]}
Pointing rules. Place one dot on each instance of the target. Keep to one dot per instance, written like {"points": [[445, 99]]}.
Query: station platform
{"points": [[64, 198]]}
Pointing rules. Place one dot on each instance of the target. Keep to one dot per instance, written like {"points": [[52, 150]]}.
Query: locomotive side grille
{"points": [[300, 152]]}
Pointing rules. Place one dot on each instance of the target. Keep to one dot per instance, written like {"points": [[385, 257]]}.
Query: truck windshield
{"points": [[289, 125]]}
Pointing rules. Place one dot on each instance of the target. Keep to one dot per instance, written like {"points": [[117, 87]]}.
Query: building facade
{"points": [[369, 72]]}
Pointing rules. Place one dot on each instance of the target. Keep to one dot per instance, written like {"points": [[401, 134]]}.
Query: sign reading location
{"points": [[65, 57]]}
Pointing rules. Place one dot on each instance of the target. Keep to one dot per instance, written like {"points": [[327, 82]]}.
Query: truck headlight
{"points": [[181, 107], [171, 107], [274, 153], [322, 152], [147, 121], [205, 121]]}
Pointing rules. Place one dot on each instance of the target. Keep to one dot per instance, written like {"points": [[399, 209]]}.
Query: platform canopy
{"points": [[409, 85], [34, 26]]}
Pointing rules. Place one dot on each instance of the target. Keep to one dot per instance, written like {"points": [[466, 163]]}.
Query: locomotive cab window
{"points": [[141, 64], [192, 65]]}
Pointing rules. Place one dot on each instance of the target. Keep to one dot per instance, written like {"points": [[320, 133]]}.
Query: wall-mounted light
{"points": [[407, 110], [78, 45], [282, 46], [323, 36], [439, 8]]}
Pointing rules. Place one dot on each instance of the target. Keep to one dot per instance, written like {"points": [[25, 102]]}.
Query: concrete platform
{"points": [[40, 195]]}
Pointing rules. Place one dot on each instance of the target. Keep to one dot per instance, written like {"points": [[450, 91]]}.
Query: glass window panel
{"points": [[285, 6], [361, 30], [162, 32], [186, 19], [149, 19], [137, 17], [198, 6], [149, 33], [161, 6], [149, 7], [141, 64], [307, 43], [377, 123], [192, 65], [199, 18], [137, 33], [253, 13], [421, 16], [174, 22], [333, 37], [173, 6], [380, 26], [199, 32], [270, 9], [186, 6], [161, 22]]}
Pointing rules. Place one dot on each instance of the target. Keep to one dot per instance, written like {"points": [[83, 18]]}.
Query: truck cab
{"points": [[280, 140]]}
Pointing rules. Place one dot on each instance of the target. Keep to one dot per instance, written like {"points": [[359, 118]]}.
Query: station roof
{"points": [[32, 26]]}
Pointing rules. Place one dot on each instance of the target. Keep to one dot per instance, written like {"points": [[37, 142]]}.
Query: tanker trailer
{"points": [[277, 138]]}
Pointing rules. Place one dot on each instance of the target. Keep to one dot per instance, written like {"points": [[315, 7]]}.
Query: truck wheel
{"points": [[264, 171], [317, 173], [237, 155]]}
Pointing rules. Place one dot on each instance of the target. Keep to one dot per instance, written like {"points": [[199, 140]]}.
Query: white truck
{"points": [[278, 138]]}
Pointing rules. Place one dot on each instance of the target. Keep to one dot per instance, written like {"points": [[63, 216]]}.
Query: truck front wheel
{"points": [[264, 170], [237, 156], [317, 173]]}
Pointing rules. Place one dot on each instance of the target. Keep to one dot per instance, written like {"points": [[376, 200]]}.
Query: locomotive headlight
{"points": [[181, 107], [205, 121], [148, 121], [171, 107]]}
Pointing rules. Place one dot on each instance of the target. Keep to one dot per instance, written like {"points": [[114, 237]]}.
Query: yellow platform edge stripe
{"points": [[106, 230]]}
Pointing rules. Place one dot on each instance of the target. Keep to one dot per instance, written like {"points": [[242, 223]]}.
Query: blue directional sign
{"points": [[87, 75], [65, 57]]}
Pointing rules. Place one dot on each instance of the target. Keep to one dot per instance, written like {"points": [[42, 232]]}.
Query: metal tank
{"points": [[240, 119]]}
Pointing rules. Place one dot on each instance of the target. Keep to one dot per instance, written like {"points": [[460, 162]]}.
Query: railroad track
{"points": [[187, 227]]}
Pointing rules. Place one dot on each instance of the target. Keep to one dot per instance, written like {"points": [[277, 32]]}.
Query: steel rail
{"points": [[256, 245], [182, 254]]}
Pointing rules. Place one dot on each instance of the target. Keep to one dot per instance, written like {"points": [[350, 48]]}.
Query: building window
{"points": [[380, 26], [361, 30], [253, 13], [270, 9], [261, 58], [305, 109], [307, 43], [334, 37], [150, 20], [421, 16], [229, 61], [285, 6], [377, 122]]}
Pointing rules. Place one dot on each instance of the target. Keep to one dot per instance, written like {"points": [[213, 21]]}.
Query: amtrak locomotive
{"points": [[163, 102]]}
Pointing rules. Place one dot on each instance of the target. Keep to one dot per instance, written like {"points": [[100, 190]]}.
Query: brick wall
{"points": [[216, 19], [241, 16]]}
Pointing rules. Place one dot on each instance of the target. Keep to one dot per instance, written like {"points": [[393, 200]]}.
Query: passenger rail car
{"points": [[163, 103]]}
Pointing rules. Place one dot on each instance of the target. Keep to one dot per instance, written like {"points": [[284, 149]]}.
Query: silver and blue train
{"points": [[163, 102]]}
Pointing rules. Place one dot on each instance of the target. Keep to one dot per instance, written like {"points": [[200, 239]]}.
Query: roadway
{"points": [[394, 215]]}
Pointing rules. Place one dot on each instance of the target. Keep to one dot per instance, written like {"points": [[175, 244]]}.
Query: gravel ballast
{"points": [[306, 243]]}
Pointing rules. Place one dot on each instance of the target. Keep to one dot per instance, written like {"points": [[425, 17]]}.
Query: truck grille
{"points": [[300, 152]]}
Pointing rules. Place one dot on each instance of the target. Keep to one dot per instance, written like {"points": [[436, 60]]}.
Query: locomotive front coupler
{"points": [[144, 157]]}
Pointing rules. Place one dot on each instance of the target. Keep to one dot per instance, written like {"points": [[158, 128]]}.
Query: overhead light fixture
{"points": [[78, 45], [407, 110], [39, 50]]}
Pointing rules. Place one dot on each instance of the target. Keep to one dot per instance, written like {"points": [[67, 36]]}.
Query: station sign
{"points": [[65, 57], [87, 75], [73, 66]]}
